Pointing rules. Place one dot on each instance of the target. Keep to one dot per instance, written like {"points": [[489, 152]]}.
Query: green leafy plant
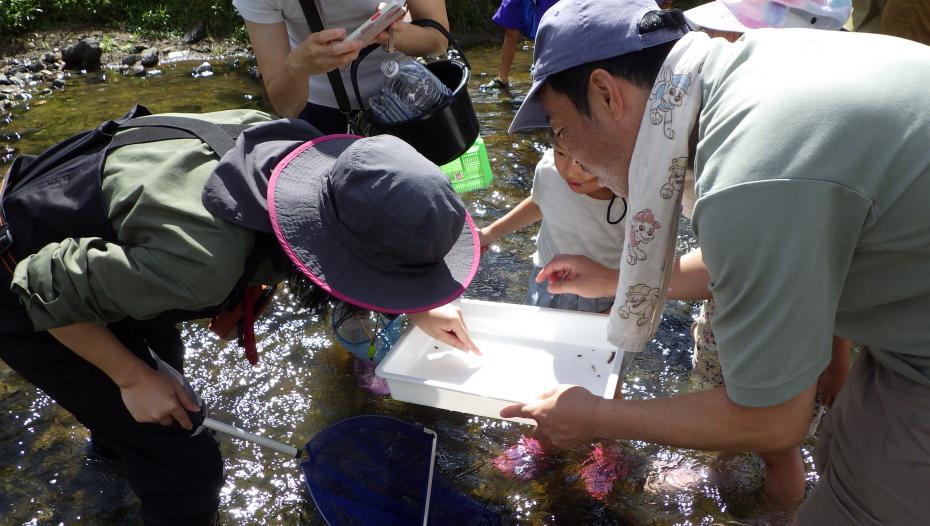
{"points": [[470, 15], [107, 44], [174, 17], [18, 15]]}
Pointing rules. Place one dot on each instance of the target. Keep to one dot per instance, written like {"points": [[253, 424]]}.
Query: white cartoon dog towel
{"points": [[656, 182]]}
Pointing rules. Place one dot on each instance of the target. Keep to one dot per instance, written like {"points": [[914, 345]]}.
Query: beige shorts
{"points": [[873, 453], [707, 374]]}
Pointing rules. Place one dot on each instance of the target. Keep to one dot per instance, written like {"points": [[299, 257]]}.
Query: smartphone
{"points": [[378, 22]]}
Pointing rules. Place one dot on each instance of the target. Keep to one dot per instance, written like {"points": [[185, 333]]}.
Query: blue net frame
{"points": [[377, 470]]}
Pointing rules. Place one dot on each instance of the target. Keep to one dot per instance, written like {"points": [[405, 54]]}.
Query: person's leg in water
{"points": [[784, 476], [177, 477], [607, 462], [508, 52], [510, 16], [784, 470], [706, 371]]}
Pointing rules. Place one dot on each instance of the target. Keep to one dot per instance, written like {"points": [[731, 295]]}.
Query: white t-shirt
{"points": [[574, 223], [348, 14]]}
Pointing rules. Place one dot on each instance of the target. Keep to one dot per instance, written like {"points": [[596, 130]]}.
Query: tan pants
{"points": [[908, 19], [873, 454]]}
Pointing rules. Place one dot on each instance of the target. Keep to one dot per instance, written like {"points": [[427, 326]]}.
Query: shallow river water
{"points": [[305, 382]]}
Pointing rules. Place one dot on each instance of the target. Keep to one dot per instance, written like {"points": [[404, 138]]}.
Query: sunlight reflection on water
{"points": [[303, 383]]}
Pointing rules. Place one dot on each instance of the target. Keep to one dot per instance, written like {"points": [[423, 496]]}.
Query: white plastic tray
{"points": [[525, 352]]}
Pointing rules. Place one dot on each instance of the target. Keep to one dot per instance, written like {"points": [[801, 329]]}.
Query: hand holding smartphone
{"points": [[390, 12]]}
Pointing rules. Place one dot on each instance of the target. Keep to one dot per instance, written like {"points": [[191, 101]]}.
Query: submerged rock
{"points": [[136, 70], [203, 70]]}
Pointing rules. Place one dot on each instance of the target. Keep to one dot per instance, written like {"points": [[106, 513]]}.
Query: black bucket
{"points": [[444, 133]]}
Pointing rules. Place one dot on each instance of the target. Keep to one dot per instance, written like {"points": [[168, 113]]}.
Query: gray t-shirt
{"points": [[348, 14], [813, 180]]}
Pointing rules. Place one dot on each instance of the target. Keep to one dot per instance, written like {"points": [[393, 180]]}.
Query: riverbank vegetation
{"points": [[174, 17]]}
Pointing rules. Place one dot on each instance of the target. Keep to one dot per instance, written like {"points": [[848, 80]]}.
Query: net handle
{"points": [[429, 481], [199, 420]]}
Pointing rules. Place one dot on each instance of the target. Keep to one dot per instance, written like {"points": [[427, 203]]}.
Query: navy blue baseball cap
{"points": [[575, 32]]}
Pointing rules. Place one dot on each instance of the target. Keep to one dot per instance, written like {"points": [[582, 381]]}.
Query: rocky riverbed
{"points": [[35, 66]]}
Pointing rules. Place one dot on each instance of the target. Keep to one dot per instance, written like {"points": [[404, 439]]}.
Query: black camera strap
{"points": [[335, 77]]}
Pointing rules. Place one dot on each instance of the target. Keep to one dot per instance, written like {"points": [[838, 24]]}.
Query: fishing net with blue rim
{"points": [[378, 470]]}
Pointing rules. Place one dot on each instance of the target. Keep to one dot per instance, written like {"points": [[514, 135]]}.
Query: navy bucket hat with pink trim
{"points": [[374, 223]]}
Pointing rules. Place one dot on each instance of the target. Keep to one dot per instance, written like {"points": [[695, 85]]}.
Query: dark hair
{"points": [[640, 68], [308, 295]]}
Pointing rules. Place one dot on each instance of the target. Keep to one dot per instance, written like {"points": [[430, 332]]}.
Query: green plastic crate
{"points": [[471, 171]]}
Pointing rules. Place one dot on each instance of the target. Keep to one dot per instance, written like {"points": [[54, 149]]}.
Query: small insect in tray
{"points": [[612, 356]]}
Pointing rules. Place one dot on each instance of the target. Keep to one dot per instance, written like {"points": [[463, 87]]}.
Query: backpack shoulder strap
{"points": [[77, 145], [219, 137]]}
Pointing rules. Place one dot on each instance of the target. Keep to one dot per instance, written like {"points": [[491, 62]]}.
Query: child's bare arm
{"points": [[690, 279], [525, 213], [571, 274]]}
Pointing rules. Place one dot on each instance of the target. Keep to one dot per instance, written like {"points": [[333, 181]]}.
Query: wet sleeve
{"points": [[778, 252], [89, 279], [258, 11]]}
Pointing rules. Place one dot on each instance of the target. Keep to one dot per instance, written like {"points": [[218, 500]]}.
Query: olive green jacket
{"points": [[172, 253]]}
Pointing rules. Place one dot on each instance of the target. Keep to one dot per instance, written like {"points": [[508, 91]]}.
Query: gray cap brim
{"points": [[531, 114]]}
